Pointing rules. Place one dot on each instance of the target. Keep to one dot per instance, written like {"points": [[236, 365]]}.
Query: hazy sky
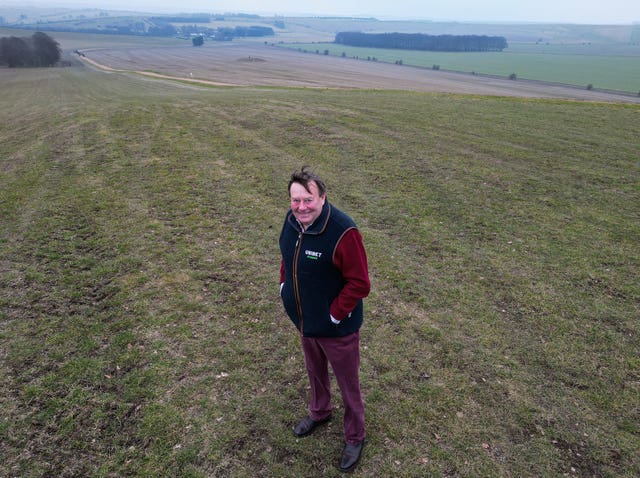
{"points": [[556, 11]]}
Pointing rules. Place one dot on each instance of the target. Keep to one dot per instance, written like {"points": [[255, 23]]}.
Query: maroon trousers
{"points": [[343, 353]]}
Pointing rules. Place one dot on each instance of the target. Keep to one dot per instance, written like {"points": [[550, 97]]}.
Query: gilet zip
{"points": [[296, 289]]}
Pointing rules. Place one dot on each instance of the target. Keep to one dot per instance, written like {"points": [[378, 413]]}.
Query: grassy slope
{"points": [[140, 328]]}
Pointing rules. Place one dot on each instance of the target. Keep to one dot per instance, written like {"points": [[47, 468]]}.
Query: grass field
{"points": [[141, 332], [614, 67]]}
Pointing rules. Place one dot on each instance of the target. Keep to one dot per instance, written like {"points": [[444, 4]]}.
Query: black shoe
{"points": [[307, 425], [350, 456]]}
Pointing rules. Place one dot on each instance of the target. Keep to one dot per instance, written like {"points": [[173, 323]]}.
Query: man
{"points": [[323, 279]]}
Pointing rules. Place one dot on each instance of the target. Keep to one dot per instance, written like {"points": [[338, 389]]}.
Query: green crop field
{"points": [[141, 332], [614, 67]]}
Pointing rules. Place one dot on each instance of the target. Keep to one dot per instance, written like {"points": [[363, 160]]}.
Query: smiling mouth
{"points": [[304, 216]]}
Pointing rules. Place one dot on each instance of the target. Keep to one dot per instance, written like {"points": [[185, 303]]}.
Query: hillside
{"points": [[597, 57], [308, 29], [141, 332]]}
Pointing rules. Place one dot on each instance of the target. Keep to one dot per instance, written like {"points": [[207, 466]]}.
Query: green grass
{"points": [[614, 67], [141, 332]]}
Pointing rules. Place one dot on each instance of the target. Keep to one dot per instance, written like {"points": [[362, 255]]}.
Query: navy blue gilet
{"points": [[312, 281]]}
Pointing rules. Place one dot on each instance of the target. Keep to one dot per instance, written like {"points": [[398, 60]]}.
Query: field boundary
{"points": [[383, 58], [152, 74], [628, 94]]}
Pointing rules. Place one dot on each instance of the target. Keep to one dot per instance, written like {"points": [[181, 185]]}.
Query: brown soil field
{"points": [[254, 64]]}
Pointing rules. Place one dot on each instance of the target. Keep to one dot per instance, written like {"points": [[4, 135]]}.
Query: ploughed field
{"points": [[257, 64]]}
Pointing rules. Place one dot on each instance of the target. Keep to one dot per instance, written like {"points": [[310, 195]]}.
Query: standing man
{"points": [[323, 279]]}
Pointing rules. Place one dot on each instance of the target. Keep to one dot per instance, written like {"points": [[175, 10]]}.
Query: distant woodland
{"points": [[182, 26], [419, 41], [37, 50]]}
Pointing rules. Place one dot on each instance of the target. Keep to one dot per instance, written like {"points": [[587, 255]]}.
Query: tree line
{"points": [[37, 50], [196, 18], [420, 41], [163, 26], [225, 33]]}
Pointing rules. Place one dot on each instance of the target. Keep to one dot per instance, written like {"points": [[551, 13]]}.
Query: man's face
{"points": [[306, 205]]}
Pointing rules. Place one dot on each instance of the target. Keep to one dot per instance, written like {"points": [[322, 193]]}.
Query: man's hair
{"points": [[304, 177]]}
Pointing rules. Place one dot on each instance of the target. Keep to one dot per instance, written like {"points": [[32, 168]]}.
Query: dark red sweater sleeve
{"points": [[351, 258]]}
